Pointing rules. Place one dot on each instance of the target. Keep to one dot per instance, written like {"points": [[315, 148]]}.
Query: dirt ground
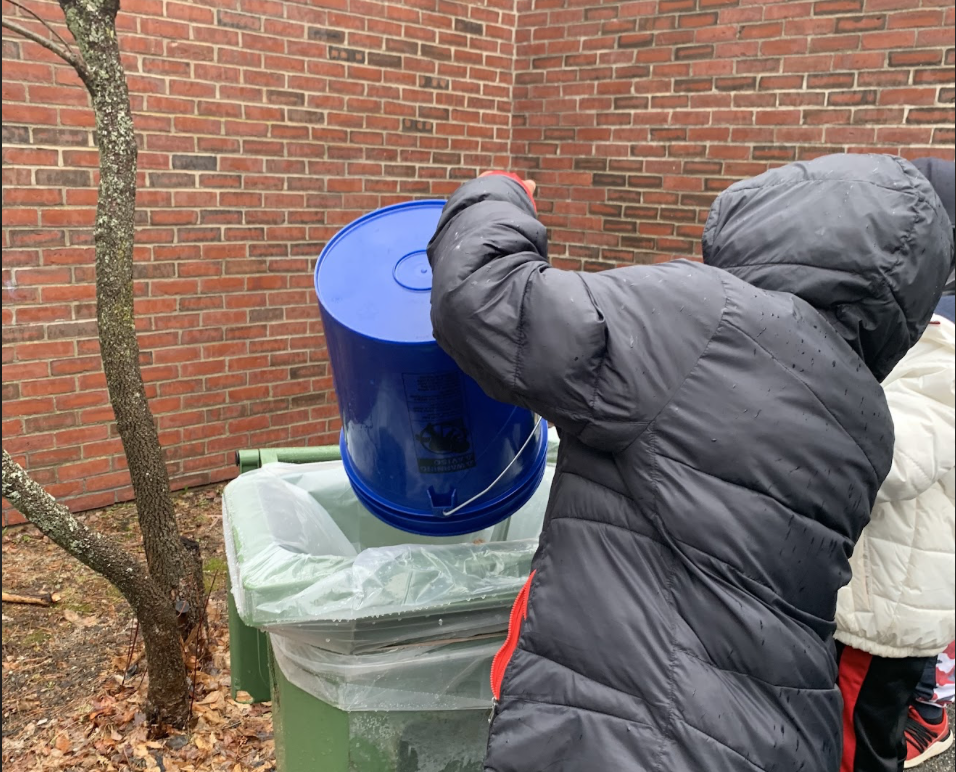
{"points": [[69, 701]]}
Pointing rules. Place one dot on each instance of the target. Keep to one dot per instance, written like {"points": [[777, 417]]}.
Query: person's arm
{"points": [[920, 395], [527, 333]]}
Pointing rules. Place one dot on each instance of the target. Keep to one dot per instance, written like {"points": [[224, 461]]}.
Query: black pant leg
{"points": [[876, 694], [927, 682]]}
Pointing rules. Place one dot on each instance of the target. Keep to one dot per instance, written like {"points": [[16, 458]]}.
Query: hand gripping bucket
{"points": [[424, 448]]}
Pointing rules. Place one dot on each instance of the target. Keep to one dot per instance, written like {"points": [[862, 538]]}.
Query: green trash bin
{"points": [[380, 641]]}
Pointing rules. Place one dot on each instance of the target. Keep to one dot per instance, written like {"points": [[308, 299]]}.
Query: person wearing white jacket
{"points": [[900, 600], [897, 610], [897, 613]]}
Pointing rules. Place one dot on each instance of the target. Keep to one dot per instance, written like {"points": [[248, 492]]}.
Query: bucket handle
{"points": [[531, 436]]}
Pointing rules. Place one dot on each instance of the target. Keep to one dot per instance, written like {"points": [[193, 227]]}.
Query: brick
{"points": [[867, 23], [635, 40], [60, 137], [735, 84], [916, 58], [468, 27], [171, 180], [686, 53], [386, 61], [930, 115], [825, 7], [195, 162], [353, 55], [326, 35], [853, 98], [13, 135], [279, 97], [63, 178]]}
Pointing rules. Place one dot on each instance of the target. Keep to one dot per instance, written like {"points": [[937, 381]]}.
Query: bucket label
{"points": [[436, 408]]}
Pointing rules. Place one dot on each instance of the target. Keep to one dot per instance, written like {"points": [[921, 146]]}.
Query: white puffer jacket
{"points": [[900, 600]]}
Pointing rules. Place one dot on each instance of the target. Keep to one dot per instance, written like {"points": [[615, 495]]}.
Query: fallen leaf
{"points": [[63, 744], [202, 743]]}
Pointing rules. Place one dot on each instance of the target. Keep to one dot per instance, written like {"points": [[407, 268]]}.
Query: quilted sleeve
{"points": [[528, 333]]}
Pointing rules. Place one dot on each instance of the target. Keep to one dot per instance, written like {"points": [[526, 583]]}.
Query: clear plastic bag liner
{"points": [[307, 560], [443, 676]]}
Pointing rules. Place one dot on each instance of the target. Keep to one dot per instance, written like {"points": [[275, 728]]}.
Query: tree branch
{"points": [[168, 698], [42, 21], [50, 45], [101, 553]]}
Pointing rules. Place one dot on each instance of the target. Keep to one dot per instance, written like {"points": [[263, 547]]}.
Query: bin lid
{"points": [[373, 277]]}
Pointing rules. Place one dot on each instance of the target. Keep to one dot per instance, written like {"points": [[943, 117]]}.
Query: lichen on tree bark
{"points": [[92, 23]]}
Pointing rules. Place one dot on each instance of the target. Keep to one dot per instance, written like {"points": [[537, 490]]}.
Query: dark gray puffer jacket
{"points": [[723, 437]]}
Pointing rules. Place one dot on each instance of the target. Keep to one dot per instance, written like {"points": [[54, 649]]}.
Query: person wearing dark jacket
{"points": [[723, 436]]}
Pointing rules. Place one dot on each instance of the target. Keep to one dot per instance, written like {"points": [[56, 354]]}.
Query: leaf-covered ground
{"points": [[69, 700]]}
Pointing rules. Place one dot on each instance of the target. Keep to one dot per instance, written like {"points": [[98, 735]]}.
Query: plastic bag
{"points": [[307, 560], [442, 676]]}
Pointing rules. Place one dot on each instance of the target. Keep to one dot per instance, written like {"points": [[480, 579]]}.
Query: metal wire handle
{"points": [[534, 432]]}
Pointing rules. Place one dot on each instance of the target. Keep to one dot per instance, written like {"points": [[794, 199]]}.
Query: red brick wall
{"points": [[633, 116], [264, 126]]}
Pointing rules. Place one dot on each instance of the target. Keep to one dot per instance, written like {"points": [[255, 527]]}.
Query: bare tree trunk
{"points": [[172, 582], [168, 698], [170, 562]]}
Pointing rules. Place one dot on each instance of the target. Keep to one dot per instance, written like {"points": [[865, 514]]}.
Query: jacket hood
{"points": [[942, 176], [864, 239]]}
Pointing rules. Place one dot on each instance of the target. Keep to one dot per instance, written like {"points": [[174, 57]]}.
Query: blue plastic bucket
{"points": [[426, 450]]}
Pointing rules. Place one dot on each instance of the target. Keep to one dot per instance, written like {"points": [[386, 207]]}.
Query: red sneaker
{"points": [[925, 740]]}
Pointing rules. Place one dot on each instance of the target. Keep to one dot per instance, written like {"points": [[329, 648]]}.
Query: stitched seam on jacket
{"points": [[723, 745], [520, 344], [537, 701], [752, 677], [816, 180], [715, 577], [659, 539], [599, 370], [928, 476], [755, 491], [768, 263], [691, 369], [668, 730], [912, 553], [809, 391], [586, 677]]}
